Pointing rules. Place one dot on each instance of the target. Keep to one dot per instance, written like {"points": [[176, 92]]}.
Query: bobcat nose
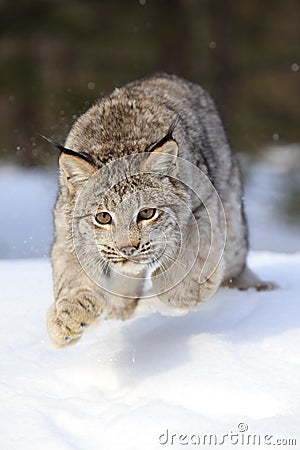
{"points": [[128, 250]]}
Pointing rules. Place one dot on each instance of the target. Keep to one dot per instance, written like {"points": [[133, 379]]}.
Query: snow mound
{"points": [[232, 367]]}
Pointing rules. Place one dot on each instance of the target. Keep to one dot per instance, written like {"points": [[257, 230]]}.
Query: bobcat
{"points": [[149, 188]]}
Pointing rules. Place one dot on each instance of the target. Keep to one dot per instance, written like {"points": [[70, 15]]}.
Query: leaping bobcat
{"points": [[148, 188]]}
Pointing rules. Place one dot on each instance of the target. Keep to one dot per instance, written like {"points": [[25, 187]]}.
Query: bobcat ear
{"points": [[75, 169], [163, 159]]}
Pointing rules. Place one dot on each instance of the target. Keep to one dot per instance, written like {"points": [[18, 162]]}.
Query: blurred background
{"points": [[57, 57]]}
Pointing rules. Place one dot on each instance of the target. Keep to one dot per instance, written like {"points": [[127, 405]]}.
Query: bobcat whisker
{"points": [[82, 217], [165, 274], [176, 245], [175, 261]]}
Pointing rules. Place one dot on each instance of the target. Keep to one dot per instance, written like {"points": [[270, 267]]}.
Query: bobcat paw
{"points": [[261, 286], [67, 318], [247, 280]]}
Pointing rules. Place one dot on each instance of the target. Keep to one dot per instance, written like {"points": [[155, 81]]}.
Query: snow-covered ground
{"points": [[230, 370], [233, 365]]}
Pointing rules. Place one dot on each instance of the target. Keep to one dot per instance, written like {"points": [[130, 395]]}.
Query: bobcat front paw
{"points": [[68, 318]]}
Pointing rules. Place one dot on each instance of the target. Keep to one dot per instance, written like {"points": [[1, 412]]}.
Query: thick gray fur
{"points": [[132, 120]]}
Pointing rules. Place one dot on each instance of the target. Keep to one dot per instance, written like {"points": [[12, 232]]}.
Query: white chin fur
{"points": [[130, 267]]}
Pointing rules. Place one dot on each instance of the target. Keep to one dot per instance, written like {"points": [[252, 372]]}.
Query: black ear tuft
{"points": [[166, 138], [85, 156]]}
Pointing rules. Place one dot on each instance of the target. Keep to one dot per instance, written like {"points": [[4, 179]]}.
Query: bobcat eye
{"points": [[103, 218], [146, 214]]}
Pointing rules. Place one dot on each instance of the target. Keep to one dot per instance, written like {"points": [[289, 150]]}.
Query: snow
{"points": [[157, 380], [266, 194], [233, 363], [26, 203]]}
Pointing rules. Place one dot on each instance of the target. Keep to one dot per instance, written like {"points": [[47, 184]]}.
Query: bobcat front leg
{"points": [[197, 271], [78, 301], [193, 287]]}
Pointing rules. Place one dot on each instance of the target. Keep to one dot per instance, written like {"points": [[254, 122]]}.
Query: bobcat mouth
{"points": [[130, 266], [134, 263]]}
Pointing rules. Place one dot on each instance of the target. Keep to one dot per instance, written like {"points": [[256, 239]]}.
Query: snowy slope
{"points": [[27, 197], [230, 365]]}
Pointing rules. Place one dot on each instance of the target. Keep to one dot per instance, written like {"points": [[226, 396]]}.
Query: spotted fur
{"points": [[177, 120]]}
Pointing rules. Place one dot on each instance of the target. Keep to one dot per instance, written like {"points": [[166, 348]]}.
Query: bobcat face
{"points": [[139, 231], [129, 217]]}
